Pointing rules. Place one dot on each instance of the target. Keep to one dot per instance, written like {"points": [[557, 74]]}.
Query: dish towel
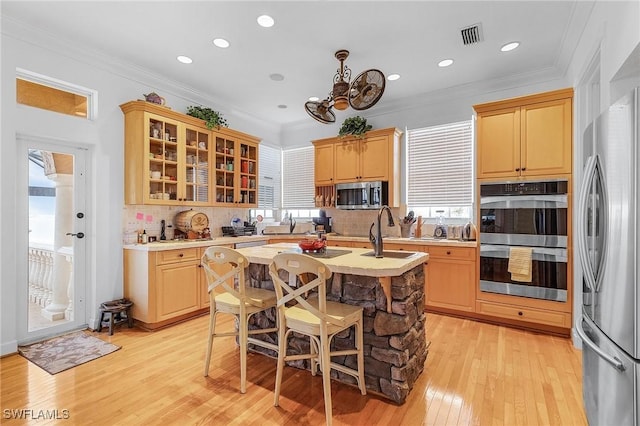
{"points": [[520, 263]]}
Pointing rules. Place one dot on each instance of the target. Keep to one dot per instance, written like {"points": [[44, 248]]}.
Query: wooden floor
{"points": [[475, 374]]}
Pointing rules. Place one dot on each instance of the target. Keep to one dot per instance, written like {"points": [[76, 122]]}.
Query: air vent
{"points": [[471, 34]]}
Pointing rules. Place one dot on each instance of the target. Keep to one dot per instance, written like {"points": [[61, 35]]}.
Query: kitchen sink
{"points": [[392, 254]]}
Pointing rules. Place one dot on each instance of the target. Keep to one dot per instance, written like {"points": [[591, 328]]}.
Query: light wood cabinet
{"points": [[236, 165], [165, 286], [519, 315], [375, 157], [170, 160], [528, 136], [167, 160], [363, 159], [451, 278], [324, 164]]}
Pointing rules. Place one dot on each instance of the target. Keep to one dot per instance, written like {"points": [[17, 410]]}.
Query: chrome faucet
{"points": [[377, 240], [292, 223]]}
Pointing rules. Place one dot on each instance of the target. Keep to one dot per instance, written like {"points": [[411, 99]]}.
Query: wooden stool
{"points": [[116, 309]]}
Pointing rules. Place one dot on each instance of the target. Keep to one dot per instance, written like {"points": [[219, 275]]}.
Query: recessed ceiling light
{"points": [[392, 77], [445, 63], [282, 106], [184, 59], [276, 77], [314, 99], [220, 42], [265, 21], [509, 46]]}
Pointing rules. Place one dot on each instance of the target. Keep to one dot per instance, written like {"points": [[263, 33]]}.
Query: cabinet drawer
{"points": [[557, 319], [447, 252], [173, 256]]}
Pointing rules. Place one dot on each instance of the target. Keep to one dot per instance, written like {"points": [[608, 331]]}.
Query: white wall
{"points": [[27, 49]]}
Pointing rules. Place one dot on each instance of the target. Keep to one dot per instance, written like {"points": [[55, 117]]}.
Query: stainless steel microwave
{"points": [[362, 195]]}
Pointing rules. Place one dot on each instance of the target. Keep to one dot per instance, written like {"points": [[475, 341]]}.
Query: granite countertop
{"points": [[180, 244], [428, 241], [216, 241], [351, 263]]}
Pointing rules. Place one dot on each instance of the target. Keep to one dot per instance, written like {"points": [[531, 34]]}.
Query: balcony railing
{"points": [[41, 275]]}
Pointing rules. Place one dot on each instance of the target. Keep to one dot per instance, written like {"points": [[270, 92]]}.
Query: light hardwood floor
{"points": [[475, 374]]}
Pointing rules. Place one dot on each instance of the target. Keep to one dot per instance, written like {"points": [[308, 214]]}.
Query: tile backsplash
{"points": [[138, 217]]}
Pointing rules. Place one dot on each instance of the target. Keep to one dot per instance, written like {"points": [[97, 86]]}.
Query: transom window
{"points": [[40, 91]]}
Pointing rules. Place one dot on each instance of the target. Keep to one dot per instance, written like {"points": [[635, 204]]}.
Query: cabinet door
{"points": [[323, 166], [546, 138], [374, 158], [499, 144], [236, 176], [177, 289], [225, 180], [196, 167], [450, 284], [160, 170], [347, 161], [247, 175]]}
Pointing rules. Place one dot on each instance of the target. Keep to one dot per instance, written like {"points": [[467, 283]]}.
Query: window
{"points": [[440, 170], [269, 182], [47, 93], [298, 187]]}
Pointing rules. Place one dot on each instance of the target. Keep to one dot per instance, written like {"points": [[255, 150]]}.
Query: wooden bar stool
{"points": [[240, 300], [315, 317]]}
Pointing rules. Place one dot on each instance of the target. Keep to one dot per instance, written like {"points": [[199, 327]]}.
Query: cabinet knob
{"points": [[524, 168], [518, 169], [520, 313], [448, 252], [181, 255]]}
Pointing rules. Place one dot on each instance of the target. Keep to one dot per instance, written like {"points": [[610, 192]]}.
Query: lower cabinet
{"points": [[165, 286], [451, 278]]}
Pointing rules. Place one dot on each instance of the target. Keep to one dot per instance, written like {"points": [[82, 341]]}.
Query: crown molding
{"points": [[38, 37]]}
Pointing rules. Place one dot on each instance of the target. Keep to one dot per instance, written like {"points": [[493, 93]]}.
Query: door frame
{"points": [[81, 263]]}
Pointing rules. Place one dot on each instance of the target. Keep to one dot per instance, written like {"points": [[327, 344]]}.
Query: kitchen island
{"points": [[391, 292]]}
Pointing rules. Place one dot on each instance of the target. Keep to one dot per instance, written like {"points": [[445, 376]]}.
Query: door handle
{"points": [[615, 362], [78, 235]]}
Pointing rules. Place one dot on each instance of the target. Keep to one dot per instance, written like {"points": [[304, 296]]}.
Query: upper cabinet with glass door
{"points": [[173, 159], [236, 168]]}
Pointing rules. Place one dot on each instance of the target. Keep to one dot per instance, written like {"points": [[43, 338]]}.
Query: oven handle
{"points": [[557, 201], [615, 362], [583, 254], [538, 253]]}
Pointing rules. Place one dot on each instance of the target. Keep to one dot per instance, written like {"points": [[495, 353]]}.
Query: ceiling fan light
{"points": [[341, 103]]}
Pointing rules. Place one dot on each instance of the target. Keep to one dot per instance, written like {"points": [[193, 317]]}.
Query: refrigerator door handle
{"points": [[615, 362], [583, 199]]}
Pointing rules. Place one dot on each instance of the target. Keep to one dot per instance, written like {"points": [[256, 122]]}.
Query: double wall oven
{"points": [[531, 215]]}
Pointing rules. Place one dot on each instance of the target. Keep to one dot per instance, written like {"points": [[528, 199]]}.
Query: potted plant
{"points": [[356, 126], [211, 118]]}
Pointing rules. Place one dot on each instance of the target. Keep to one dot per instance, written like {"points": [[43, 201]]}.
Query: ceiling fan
{"points": [[363, 93]]}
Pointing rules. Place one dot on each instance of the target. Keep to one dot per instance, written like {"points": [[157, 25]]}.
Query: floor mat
{"points": [[67, 351]]}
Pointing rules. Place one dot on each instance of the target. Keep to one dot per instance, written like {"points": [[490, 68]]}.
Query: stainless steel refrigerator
{"points": [[608, 225]]}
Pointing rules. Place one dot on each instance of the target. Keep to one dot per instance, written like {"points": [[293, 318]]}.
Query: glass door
{"points": [[53, 232]]}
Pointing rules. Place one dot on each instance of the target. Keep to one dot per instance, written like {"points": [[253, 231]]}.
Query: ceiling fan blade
{"points": [[320, 111], [366, 89]]}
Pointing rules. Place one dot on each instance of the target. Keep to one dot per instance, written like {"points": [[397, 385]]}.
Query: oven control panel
{"points": [[524, 188]]}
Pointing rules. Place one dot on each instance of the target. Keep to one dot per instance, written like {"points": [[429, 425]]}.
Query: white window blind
{"points": [[440, 166], [298, 188], [269, 182]]}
